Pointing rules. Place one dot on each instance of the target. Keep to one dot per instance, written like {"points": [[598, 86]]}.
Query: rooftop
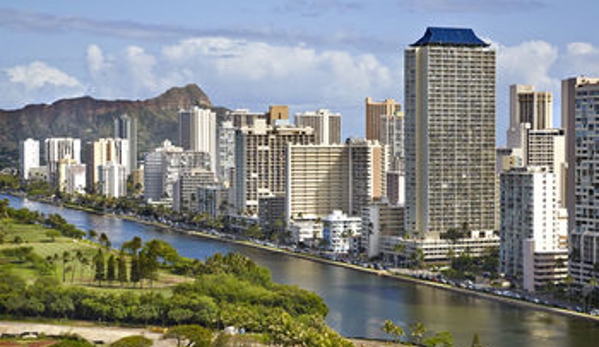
{"points": [[450, 37]]}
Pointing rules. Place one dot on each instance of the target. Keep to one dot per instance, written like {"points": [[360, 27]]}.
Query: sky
{"points": [[308, 54]]}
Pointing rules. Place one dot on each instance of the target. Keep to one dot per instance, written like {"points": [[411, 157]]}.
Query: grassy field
{"points": [[53, 250]]}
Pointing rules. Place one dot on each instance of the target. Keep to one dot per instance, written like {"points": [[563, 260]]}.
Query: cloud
{"points": [[530, 62], [581, 58], [470, 6], [38, 74], [34, 83], [250, 69]]}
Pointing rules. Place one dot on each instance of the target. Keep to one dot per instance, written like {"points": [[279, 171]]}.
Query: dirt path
{"points": [[97, 334]]}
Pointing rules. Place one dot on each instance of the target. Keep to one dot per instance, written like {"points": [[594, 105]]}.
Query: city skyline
{"points": [[307, 54]]}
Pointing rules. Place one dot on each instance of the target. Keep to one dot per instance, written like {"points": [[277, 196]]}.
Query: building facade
{"points": [[198, 131], [450, 133], [125, 127], [29, 153], [112, 180], [56, 149], [102, 152], [528, 106], [580, 118], [326, 125], [260, 156], [530, 229], [185, 191], [374, 111], [341, 232], [225, 152]]}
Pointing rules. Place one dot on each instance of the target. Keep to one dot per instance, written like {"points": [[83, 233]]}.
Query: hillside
{"points": [[89, 119]]}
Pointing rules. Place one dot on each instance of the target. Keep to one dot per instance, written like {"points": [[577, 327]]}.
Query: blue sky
{"points": [[308, 54]]}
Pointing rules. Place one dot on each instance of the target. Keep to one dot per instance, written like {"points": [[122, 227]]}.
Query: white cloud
{"points": [[581, 58], [39, 74], [249, 69], [96, 62], [528, 63]]}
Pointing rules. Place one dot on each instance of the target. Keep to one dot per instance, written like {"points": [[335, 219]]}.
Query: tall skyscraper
{"points": [[57, 149], [125, 127], [528, 106], [374, 111], [30, 156], [326, 125], [197, 132], [450, 133], [580, 102]]}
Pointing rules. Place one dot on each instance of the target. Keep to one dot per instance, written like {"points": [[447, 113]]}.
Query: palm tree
{"points": [[66, 257]]}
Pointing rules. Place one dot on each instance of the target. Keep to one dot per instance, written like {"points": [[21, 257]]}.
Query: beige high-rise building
{"points": [[374, 111], [198, 131], [580, 100], [323, 178], [326, 125], [450, 133], [528, 106], [260, 153]]}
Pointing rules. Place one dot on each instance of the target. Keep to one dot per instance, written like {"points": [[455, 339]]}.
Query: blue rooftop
{"points": [[450, 37]]}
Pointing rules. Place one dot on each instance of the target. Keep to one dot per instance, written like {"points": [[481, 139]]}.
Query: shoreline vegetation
{"points": [[359, 341]]}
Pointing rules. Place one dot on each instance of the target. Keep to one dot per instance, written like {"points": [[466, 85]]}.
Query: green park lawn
{"points": [[51, 249]]}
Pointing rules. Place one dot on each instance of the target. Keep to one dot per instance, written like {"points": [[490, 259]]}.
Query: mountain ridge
{"points": [[88, 118]]}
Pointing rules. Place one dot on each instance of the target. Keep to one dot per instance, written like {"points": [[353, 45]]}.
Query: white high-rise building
{"points": [[76, 179], [113, 180], [30, 156], [532, 237], [392, 135], [197, 132], [326, 125], [57, 149], [580, 102], [547, 147], [226, 151]]}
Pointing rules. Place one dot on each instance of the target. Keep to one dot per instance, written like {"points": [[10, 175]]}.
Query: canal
{"points": [[359, 302]]}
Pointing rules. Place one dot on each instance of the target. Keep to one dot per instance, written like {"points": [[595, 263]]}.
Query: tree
{"points": [[99, 265], [394, 331], [442, 339], [66, 257], [111, 268], [417, 331], [105, 241], [52, 234], [92, 234], [122, 269]]}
